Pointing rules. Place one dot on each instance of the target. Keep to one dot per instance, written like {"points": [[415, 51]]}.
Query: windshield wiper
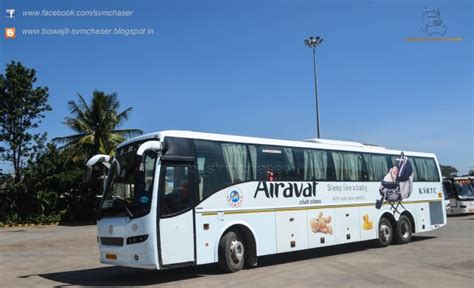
{"points": [[123, 204]]}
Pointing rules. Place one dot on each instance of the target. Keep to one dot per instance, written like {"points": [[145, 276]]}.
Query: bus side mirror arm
{"points": [[150, 145], [97, 159]]}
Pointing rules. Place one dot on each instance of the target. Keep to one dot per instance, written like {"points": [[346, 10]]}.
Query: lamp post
{"points": [[312, 42]]}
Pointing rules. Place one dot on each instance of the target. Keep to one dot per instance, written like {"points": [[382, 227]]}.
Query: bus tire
{"points": [[231, 252], [403, 231], [385, 233]]}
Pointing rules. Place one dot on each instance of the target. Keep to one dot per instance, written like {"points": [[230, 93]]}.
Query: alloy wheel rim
{"points": [[384, 233], [236, 250], [404, 230]]}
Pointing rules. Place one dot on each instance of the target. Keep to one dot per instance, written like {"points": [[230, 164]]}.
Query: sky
{"points": [[241, 68]]}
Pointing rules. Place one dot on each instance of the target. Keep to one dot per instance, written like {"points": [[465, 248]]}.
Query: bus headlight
{"points": [[136, 239]]}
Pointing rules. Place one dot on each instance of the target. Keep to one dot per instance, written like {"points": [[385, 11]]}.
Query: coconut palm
{"points": [[96, 126]]}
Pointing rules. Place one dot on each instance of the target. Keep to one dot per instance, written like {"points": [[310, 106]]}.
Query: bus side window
{"points": [[426, 169], [348, 166], [448, 189], [415, 172], [214, 174], [376, 166], [238, 162], [200, 167], [312, 164], [275, 164]]}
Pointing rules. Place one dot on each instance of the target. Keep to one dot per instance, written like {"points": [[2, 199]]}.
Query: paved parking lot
{"points": [[65, 256]]}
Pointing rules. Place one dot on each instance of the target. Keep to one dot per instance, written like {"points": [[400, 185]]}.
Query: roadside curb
{"points": [[29, 225]]}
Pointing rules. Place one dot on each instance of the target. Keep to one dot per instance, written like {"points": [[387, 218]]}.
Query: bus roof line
{"points": [[335, 144], [342, 143]]}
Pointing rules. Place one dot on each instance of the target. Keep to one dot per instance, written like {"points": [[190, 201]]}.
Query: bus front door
{"points": [[176, 224]]}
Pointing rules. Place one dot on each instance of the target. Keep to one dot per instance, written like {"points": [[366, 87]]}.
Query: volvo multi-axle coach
{"points": [[177, 198], [459, 192]]}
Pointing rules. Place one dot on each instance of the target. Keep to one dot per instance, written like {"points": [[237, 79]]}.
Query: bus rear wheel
{"points": [[404, 230], [231, 252], [385, 233]]}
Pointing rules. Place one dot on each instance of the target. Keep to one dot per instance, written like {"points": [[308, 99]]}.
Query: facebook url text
{"points": [[78, 13]]}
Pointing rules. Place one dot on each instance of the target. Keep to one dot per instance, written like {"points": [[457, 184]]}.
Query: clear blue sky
{"points": [[241, 67]]}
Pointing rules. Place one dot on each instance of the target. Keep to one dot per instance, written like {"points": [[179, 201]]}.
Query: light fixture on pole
{"points": [[312, 42]]}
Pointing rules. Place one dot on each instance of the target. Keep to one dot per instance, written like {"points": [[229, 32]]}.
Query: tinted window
{"points": [[426, 169], [348, 166], [221, 165], [212, 171], [176, 195], [273, 163], [377, 166], [312, 165], [448, 189], [238, 163], [415, 172]]}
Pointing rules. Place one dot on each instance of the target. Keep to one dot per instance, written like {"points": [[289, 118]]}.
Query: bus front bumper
{"points": [[138, 255], [459, 210]]}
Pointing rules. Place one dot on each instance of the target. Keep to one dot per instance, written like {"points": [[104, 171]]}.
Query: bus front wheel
{"points": [[404, 230], [385, 233], [231, 252]]}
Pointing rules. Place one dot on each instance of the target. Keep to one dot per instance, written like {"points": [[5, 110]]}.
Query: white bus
{"points": [[459, 191], [177, 198]]}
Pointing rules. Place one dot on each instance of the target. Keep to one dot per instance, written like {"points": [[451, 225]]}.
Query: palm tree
{"points": [[96, 126]]}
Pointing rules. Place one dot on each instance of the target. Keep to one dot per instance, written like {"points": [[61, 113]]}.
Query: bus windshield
{"points": [[465, 191], [129, 185]]}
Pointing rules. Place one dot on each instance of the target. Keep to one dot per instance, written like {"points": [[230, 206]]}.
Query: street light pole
{"points": [[312, 42]]}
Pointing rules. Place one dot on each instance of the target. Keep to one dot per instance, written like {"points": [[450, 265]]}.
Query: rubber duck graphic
{"points": [[368, 225]]}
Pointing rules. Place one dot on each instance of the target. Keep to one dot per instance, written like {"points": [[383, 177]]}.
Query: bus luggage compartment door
{"points": [[347, 224], [291, 231]]}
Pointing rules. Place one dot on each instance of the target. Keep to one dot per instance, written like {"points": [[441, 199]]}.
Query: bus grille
{"points": [[111, 241]]}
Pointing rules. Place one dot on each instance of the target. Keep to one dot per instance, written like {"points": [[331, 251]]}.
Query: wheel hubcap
{"points": [[384, 233], [404, 230], [237, 250]]}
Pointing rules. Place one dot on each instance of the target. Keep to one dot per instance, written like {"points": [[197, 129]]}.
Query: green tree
{"points": [[58, 186], [448, 171], [22, 107], [96, 125], [51, 186], [471, 172]]}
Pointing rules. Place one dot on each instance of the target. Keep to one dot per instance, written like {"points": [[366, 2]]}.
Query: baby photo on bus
{"points": [[397, 184]]}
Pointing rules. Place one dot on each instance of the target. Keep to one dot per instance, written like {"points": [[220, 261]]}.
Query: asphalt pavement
{"points": [[60, 256]]}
